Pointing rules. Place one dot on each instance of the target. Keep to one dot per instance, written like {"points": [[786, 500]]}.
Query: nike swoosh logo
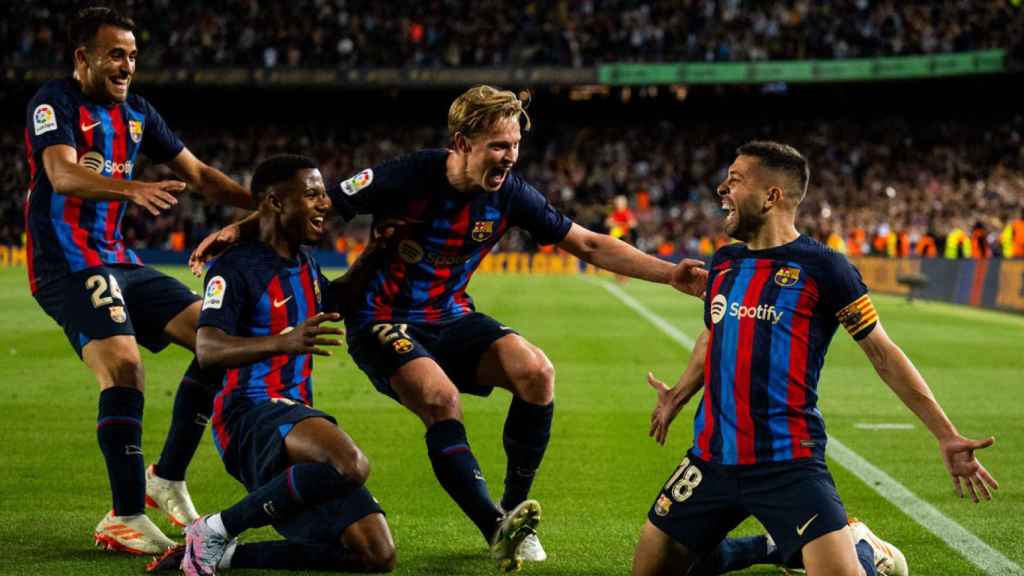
{"points": [[279, 303], [86, 128], [801, 529]]}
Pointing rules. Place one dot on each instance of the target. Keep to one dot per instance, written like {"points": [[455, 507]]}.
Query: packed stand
{"points": [[886, 187], [483, 33]]}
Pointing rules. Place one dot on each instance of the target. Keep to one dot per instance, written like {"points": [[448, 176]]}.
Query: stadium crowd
{"points": [[888, 187], [464, 33]]}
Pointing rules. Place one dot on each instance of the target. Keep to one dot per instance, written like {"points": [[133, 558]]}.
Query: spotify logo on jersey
{"points": [[718, 308]]}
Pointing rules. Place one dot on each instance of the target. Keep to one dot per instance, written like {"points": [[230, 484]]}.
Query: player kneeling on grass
{"points": [[773, 303], [262, 319]]}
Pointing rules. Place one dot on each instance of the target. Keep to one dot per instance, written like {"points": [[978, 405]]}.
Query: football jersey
{"points": [[252, 291], [771, 315], [447, 235], [67, 233]]}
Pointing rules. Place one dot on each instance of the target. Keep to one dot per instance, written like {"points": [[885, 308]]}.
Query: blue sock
{"points": [[298, 488], [527, 430], [119, 431], [735, 554], [193, 405], [459, 473], [867, 557]]}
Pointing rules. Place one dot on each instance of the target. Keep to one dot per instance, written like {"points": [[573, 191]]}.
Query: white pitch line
{"points": [[987, 559]]}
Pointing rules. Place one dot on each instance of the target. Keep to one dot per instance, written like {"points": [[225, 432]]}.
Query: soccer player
{"points": [[264, 306], [774, 302], [83, 135], [415, 332]]}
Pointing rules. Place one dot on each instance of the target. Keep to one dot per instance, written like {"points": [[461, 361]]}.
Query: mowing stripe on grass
{"points": [[977, 552]]}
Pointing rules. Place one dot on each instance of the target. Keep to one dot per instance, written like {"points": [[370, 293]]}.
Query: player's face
{"points": [[108, 65], [742, 195], [305, 206], [493, 153]]}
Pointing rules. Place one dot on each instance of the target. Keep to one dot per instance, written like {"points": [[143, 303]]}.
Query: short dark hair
{"points": [[277, 169], [782, 157], [82, 28]]}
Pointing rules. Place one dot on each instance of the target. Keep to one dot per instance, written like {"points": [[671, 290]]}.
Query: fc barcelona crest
{"points": [[135, 130], [316, 289], [482, 230], [787, 276], [117, 314]]}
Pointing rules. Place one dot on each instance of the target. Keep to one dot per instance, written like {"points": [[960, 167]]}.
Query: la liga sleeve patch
{"points": [[44, 119], [214, 297]]}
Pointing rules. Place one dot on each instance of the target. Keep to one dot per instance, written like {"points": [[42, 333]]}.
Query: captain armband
{"points": [[858, 317]]}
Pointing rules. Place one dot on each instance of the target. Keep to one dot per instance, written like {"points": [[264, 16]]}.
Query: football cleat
{"points": [[531, 550], [204, 548], [170, 497], [132, 534], [169, 561], [512, 531], [889, 561]]}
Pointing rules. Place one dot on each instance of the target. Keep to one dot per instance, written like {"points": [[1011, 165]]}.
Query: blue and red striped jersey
{"points": [[771, 315], [447, 236], [67, 233], [252, 291]]}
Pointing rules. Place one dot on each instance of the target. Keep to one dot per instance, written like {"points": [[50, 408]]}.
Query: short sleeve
{"points": [[224, 297], [847, 297], [370, 190], [159, 143], [532, 212], [50, 119]]}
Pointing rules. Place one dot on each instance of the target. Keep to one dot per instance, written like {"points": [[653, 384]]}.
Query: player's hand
{"points": [[307, 337], [690, 277], [958, 454], [211, 247], [664, 412], [156, 196]]}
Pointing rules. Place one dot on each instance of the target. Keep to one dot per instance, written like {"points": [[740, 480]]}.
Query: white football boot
{"points": [[889, 561], [132, 534], [170, 497], [512, 531]]}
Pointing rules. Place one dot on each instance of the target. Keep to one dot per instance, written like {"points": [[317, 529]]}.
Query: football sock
{"points": [[736, 554], [119, 431], [193, 405], [867, 557], [527, 430], [298, 488], [459, 473], [285, 555]]}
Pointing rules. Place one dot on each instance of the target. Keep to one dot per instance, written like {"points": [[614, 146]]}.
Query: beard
{"points": [[744, 228]]}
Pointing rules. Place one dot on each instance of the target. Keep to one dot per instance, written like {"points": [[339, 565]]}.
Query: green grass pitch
{"points": [[601, 472]]}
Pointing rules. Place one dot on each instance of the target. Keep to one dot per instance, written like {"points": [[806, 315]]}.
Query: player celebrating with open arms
{"points": [[774, 302], [415, 331], [82, 137]]}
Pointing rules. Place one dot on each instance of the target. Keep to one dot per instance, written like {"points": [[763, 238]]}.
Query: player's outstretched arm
{"points": [[617, 256], [70, 179], [209, 181], [672, 400], [902, 376], [215, 348]]}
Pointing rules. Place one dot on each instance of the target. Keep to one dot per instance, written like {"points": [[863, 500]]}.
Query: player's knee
{"points": [[355, 467], [379, 556], [442, 405], [123, 367], [536, 380]]}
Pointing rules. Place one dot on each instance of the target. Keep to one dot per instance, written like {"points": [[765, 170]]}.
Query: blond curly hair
{"points": [[481, 107]]}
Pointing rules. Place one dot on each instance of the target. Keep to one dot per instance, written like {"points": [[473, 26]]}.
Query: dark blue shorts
{"points": [[113, 301], [256, 454], [702, 502], [380, 349]]}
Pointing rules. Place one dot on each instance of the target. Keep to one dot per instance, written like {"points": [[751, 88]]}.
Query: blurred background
{"points": [[910, 112]]}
